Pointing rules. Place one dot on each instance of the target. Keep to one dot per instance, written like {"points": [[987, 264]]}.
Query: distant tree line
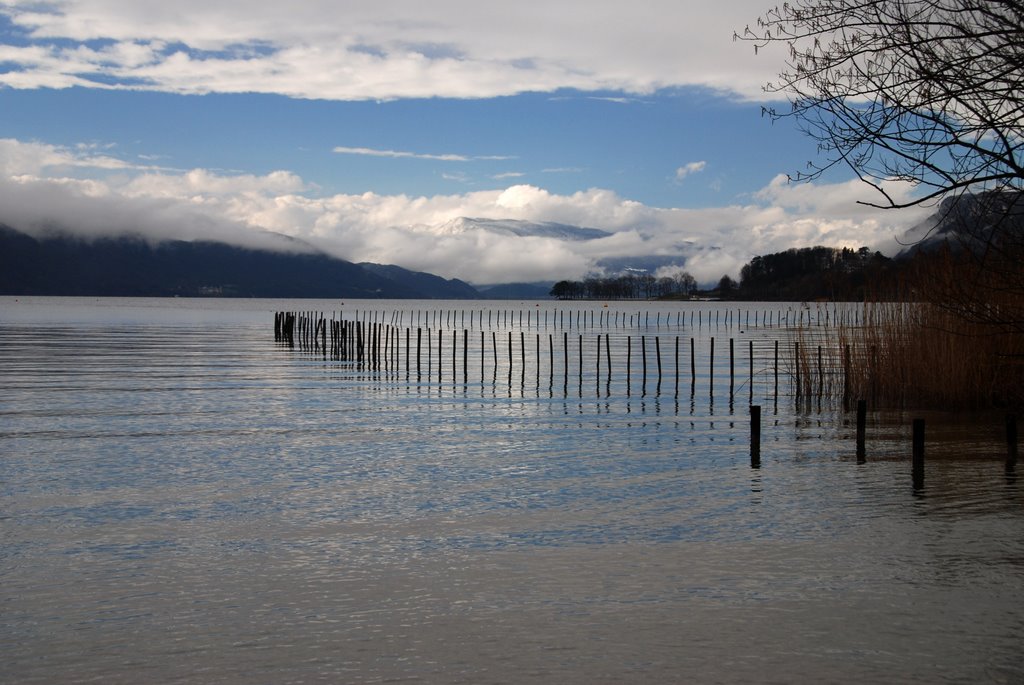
{"points": [[812, 273], [628, 286], [798, 274]]}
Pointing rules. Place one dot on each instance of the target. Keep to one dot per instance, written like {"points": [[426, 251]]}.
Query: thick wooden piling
{"points": [[755, 435]]}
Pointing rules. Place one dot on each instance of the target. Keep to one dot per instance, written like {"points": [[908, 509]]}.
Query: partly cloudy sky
{"points": [[370, 129]]}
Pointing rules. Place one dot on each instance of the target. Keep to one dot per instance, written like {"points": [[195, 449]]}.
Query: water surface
{"points": [[184, 500]]}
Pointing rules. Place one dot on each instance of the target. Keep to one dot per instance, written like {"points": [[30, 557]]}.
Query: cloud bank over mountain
{"points": [[515, 233]]}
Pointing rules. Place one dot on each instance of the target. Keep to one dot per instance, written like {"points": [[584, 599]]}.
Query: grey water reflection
{"points": [[184, 500]]}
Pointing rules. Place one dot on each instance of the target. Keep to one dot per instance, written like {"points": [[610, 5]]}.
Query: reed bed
{"points": [[894, 355], [924, 356]]}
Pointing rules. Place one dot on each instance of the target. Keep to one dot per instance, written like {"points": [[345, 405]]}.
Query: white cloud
{"points": [[17, 158], [384, 49], [400, 154], [369, 152], [689, 168], [39, 190]]}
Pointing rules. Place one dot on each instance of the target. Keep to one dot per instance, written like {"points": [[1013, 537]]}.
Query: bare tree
{"points": [[925, 91]]}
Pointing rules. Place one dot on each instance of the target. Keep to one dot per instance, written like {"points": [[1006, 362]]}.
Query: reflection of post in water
{"points": [[419, 342], [522, 355], [751, 348], [607, 355], [693, 364], [629, 364], [522, 348], [755, 436], [711, 369], [732, 367], [551, 359], [796, 365], [862, 413], [494, 349], [538, 354], [821, 376], [565, 365], [657, 353], [676, 389], [580, 370], [509, 361], [643, 355], [918, 453], [846, 377], [430, 352], [1011, 446], [776, 367]]}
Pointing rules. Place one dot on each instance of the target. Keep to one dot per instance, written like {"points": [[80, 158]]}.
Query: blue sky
{"points": [[368, 129]]}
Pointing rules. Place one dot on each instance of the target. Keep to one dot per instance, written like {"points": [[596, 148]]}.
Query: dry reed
{"points": [[924, 356]]}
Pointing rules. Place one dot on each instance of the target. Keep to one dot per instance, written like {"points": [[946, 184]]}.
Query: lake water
{"points": [[185, 500]]}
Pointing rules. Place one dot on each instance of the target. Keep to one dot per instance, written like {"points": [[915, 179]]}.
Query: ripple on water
{"points": [[188, 503]]}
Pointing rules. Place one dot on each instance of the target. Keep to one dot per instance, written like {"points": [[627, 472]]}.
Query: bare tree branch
{"points": [[923, 91]]}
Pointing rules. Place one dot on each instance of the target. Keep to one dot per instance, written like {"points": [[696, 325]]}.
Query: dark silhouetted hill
{"points": [[129, 266]]}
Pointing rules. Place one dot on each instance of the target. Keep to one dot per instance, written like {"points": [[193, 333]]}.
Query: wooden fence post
{"points": [[755, 435]]}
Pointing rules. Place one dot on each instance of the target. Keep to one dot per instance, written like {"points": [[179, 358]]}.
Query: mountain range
{"points": [[967, 222], [59, 264]]}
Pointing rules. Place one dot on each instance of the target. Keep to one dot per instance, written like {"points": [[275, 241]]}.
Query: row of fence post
{"points": [[374, 344], [588, 319], [917, 441]]}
